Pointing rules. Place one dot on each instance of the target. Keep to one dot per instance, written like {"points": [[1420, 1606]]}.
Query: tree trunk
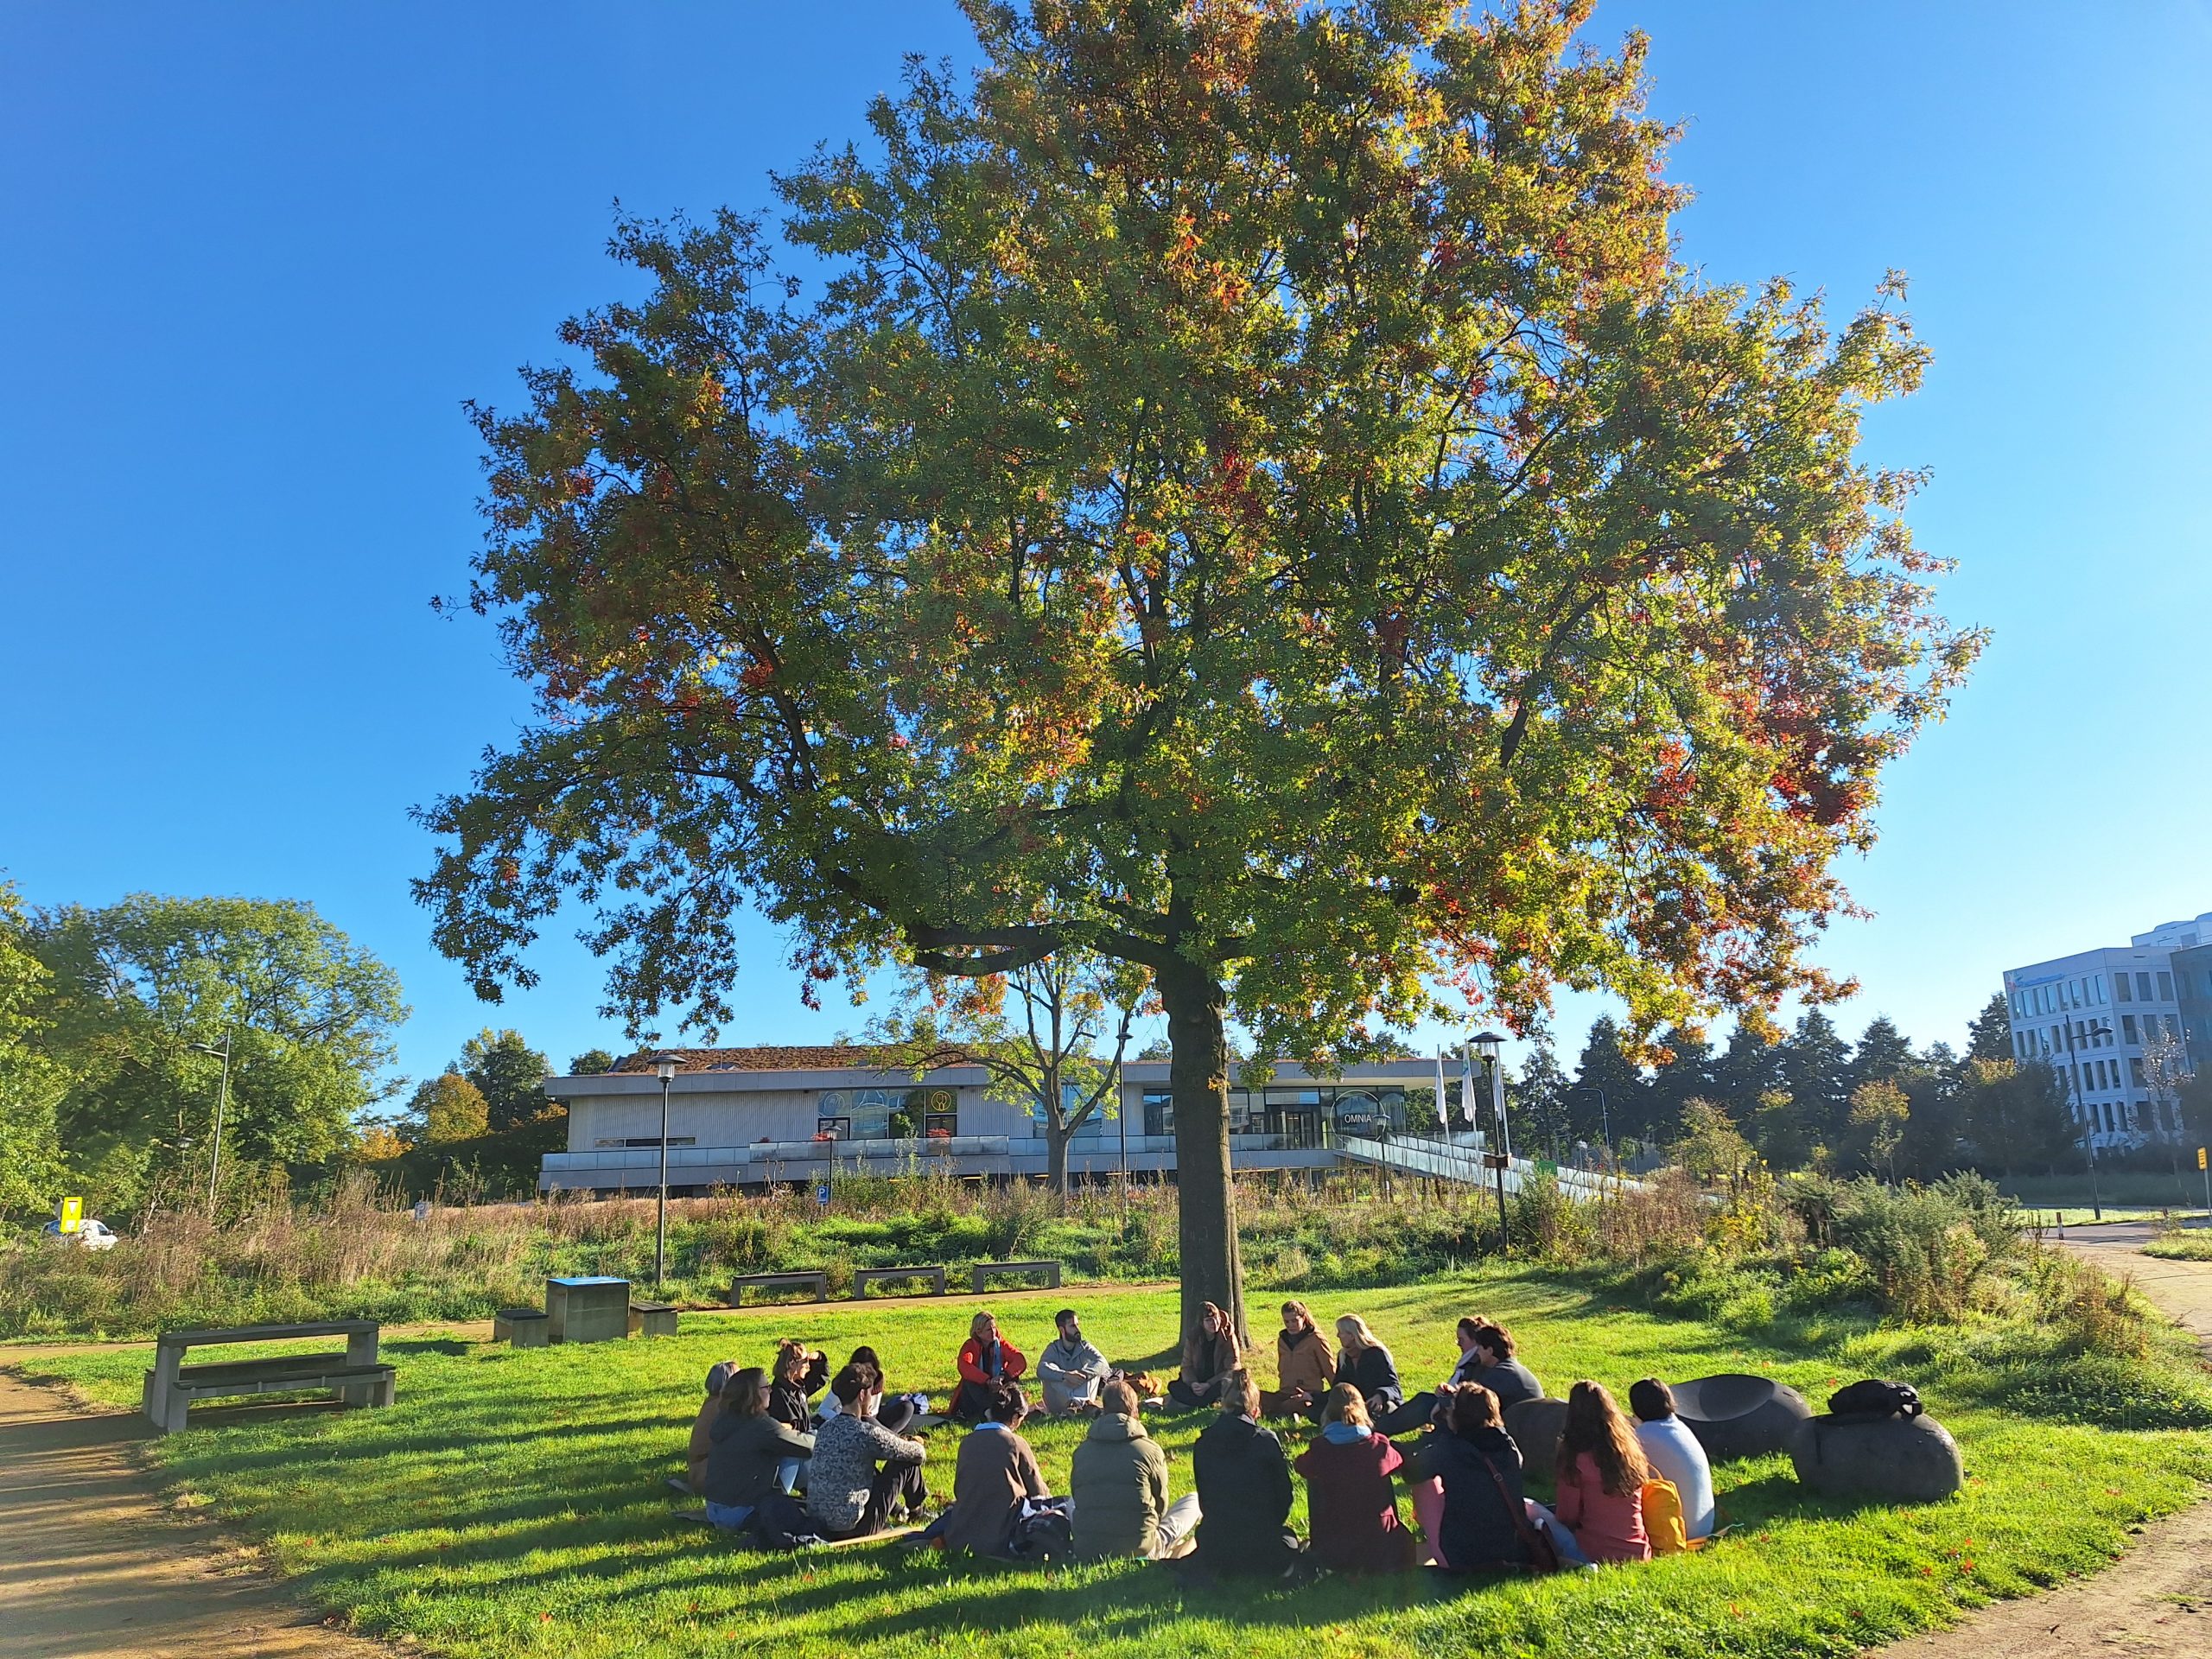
{"points": [[1058, 1134], [1198, 1076]]}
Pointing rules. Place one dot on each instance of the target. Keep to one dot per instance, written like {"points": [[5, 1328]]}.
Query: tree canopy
{"points": [[510, 1075], [1243, 488], [136, 991]]}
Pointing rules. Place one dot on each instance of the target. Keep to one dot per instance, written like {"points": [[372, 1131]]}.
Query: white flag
{"points": [[1467, 1085]]}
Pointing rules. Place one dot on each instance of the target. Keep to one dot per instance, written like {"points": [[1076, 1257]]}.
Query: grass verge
{"points": [[511, 1504]]}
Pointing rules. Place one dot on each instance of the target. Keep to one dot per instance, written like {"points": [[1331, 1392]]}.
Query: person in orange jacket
{"points": [[987, 1359]]}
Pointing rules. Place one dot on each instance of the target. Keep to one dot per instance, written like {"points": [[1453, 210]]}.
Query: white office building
{"points": [[2093, 1014]]}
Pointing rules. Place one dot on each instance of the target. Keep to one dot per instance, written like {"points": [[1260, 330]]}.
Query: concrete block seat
{"points": [[1535, 1427], [522, 1327], [1899, 1459], [1736, 1415]]}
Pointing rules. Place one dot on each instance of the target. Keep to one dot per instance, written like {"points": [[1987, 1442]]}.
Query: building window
{"points": [[2142, 988], [2135, 1073], [884, 1114], [648, 1140], [2127, 1028], [1159, 1112], [2165, 988]]}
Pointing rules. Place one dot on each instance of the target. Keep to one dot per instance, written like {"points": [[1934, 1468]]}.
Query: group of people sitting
{"points": [[1622, 1487], [845, 1468]]}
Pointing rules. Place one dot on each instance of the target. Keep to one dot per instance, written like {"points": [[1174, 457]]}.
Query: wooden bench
{"points": [[652, 1318], [818, 1278], [359, 1377], [1050, 1270], [864, 1277]]}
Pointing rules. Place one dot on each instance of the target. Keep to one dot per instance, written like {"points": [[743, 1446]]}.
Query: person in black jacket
{"points": [[1485, 1516], [797, 1376], [1244, 1488], [746, 1449], [1364, 1362]]}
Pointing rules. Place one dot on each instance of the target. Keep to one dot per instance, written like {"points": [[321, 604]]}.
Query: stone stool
{"points": [[1903, 1460], [1736, 1415], [1535, 1427]]}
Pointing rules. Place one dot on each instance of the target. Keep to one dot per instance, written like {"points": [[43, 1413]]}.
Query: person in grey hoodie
{"points": [[1070, 1370], [1120, 1488], [745, 1446]]}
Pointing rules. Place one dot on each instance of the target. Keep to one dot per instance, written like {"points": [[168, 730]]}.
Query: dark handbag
{"points": [[1543, 1554]]}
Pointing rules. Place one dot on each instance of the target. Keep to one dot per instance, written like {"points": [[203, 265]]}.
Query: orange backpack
{"points": [[1662, 1517]]}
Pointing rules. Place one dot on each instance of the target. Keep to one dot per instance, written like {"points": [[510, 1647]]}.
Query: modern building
{"points": [[2095, 1014], [766, 1116]]}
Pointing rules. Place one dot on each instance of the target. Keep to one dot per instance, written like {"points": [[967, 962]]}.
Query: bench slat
{"points": [[265, 1332]]}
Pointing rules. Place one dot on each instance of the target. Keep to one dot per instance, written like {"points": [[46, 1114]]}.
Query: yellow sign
{"points": [[2200, 1157], [72, 1214]]}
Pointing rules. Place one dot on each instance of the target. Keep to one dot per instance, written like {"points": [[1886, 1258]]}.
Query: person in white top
{"points": [[1674, 1454]]}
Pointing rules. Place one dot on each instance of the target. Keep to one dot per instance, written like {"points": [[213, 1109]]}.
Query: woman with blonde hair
{"points": [[1210, 1357], [1601, 1476], [987, 1359], [1351, 1509], [1305, 1369], [1364, 1362]]}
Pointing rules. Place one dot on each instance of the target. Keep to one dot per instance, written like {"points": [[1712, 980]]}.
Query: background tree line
{"points": [[113, 1020], [1812, 1098]]}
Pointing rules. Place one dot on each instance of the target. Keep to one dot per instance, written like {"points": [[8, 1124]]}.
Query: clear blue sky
{"points": [[252, 258]]}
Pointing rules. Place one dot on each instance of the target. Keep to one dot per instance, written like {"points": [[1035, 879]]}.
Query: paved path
{"points": [[2156, 1601], [92, 1566]]}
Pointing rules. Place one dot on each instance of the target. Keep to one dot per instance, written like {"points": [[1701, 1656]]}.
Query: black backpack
{"points": [[780, 1521], [1044, 1534], [1874, 1399]]}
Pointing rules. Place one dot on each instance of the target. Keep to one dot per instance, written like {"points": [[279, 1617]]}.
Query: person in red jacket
{"points": [[987, 1359], [1351, 1507]]}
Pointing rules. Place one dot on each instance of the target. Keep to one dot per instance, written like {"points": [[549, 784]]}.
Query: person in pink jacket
{"points": [[1600, 1479]]}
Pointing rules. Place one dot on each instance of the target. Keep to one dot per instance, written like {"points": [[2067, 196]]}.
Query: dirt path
{"points": [[2155, 1602], [91, 1566]]}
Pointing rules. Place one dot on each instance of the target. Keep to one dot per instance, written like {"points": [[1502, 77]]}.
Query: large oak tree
{"points": [[1243, 488]]}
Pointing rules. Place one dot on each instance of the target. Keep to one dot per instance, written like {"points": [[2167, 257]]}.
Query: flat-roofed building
{"points": [[768, 1116]]}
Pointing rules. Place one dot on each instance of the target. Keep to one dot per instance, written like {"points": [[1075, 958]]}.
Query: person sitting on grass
{"points": [[1364, 1362], [1305, 1369], [986, 1359], [747, 1448], [1483, 1523], [1674, 1454], [694, 1479], [994, 1472], [896, 1412], [1210, 1357], [1425, 1408], [1244, 1489], [1351, 1509], [1492, 1349], [862, 1471], [1119, 1489], [1600, 1479], [1069, 1369], [796, 1373]]}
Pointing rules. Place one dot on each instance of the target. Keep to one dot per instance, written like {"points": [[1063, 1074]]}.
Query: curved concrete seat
{"points": [[1904, 1459], [1535, 1427], [1736, 1415]]}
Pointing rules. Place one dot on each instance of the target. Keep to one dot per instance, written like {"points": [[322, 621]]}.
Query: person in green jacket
{"points": [[1120, 1487]]}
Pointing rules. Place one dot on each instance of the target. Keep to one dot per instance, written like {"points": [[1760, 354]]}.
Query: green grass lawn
{"points": [[512, 1503]]}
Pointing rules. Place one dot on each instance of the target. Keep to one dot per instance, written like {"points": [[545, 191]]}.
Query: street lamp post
{"points": [[1605, 1113], [663, 1068], [1487, 1045], [2102, 1028], [222, 1100]]}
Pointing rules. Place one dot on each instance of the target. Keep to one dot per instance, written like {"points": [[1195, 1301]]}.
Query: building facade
{"points": [[2096, 1016], [766, 1116]]}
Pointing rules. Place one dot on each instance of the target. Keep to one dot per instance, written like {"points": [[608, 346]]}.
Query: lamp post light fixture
{"points": [[222, 1100], [1487, 1045], [664, 1069]]}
